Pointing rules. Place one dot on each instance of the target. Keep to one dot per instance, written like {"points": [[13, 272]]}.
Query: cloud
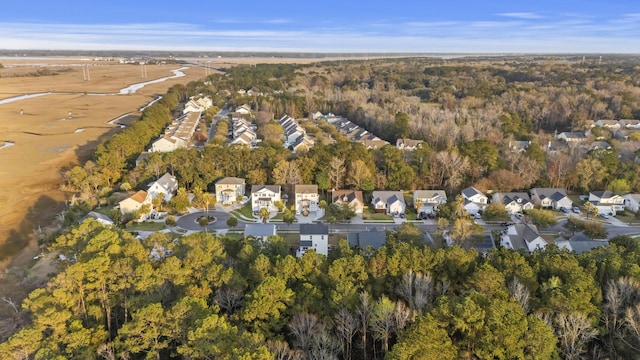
{"points": [[522, 15]]}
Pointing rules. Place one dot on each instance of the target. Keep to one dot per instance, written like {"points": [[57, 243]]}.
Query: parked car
{"points": [[576, 210], [402, 215], [564, 210], [518, 215], [604, 216], [477, 216]]}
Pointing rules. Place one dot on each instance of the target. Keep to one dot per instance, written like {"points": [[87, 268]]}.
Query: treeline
{"points": [[204, 296]]}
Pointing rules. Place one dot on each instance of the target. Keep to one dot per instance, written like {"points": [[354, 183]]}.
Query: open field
{"points": [[55, 132]]}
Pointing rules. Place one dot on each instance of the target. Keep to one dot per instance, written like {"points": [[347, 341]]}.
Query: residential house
{"points": [[197, 105], [632, 202], [519, 146], [352, 197], [302, 143], [373, 237], [101, 218], [166, 185], [135, 202], [607, 202], [260, 231], [609, 124], [474, 200], [292, 130], [427, 201], [523, 237], [514, 202], [265, 196], [389, 202], [630, 123], [554, 198], [306, 198], [580, 243], [243, 109], [408, 144], [178, 134], [315, 115], [228, 189], [572, 136], [314, 236]]}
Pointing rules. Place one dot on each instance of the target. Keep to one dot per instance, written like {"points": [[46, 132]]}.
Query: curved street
{"points": [[190, 221]]}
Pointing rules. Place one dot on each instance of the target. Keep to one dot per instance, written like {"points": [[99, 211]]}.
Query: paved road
{"points": [[190, 222]]}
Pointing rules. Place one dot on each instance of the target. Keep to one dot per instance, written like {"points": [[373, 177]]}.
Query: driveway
{"points": [[190, 221]]}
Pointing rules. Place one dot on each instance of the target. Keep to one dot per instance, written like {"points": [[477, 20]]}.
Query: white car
{"points": [[604, 216]]}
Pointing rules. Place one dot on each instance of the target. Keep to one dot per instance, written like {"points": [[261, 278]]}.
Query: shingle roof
{"points": [[339, 195], [314, 229], [259, 230], [230, 181], [306, 189], [139, 196], [272, 188]]}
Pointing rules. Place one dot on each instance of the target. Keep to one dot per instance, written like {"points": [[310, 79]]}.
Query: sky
{"points": [[418, 26]]}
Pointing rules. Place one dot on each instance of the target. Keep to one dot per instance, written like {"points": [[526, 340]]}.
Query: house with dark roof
{"points": [[606, 202], [408, 144], [228, 189], [314, 236], [474, 200], [554, 198], [572, 136], [514, 202], [580, 243], [373, 237], [389, 202], [166, 185], [265, 196], [523, 237], [260, 231], [352, 197]]}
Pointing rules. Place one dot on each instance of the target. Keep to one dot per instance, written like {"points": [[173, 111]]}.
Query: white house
{"points": [[572, 136], [609, 124], [260, 231], [630, 123], [427, 201], [523, 237], [474, 200], [554, 198], [167, 144], [135, 202], [315, 115], [306, 198], [178, 134], [632, 202], [228, 189], [389, 202], [408, 144], [265, 196], [314, 236], [351, 197], [102, 219], [580, 243], [243, 109], [167, 185], [607, 202], [514, 202]]}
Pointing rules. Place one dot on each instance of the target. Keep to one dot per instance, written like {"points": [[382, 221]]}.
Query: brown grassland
{"points": [[47, 140]]}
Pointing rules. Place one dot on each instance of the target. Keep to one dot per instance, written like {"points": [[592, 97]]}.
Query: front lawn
{"points": [[245, 211], [368, 215], [627, 217]]}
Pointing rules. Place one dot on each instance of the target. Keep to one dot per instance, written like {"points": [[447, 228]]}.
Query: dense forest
{"points": [[205, 296]]}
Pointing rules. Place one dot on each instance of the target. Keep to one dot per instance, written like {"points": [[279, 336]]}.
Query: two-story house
{"points": [[474, 200], [554, 198], [427, 201], [351, 197], [306, 198], [265, 196], [389, 202], [229, 189], [514, 202], [260, 232], [135, 202], [606, 202], [314, 236], [523, 237], [166, 185], [632, 202]]}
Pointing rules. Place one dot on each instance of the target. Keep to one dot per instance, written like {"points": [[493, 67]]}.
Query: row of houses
{"points": [[200, 104], [166, 186], [350, 130], [295, 137], [242, 131], [178, 134]]}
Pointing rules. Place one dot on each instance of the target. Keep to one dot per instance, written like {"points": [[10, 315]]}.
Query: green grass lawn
{"points": [[105, 210], [245, 211], [628, 217], [146, 226], [368, 215]]}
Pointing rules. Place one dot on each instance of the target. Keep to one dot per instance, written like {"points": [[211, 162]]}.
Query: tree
{"points": [[462, 230], [288, 217], [180, 202], [203, 221], [425, 339], [147, 332], [401, 125], [336, 172], [383, 321], [346, 325], [594, 230], [264, 214], [232, 222], [358, 174], [266, 303], [286, 172], [542, 218], [590, 209], [574, 332], [619, 186]]}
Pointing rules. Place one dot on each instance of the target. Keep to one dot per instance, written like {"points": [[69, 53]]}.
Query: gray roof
{"points": [[581, 243], [388, 197], [518, 197], [230, 181], [552, 193], [470, 191], [603, 194], [525, 233], [429, 194], [260, 230], [339, 195], [167, 181], [96, 216], [373, 238], [273, 188], [314, 229]]}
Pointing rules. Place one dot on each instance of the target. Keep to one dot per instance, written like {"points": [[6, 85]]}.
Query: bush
{"points": [[171, 221]]}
